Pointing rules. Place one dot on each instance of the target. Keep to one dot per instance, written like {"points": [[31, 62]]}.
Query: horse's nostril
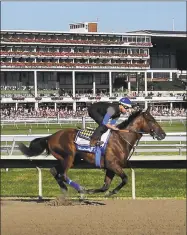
{"points": [[163, 135]]}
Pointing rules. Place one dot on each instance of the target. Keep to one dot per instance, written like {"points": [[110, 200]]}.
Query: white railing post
{"points": [[12, 149], [83, 122], [39, 183], [133, 185]]}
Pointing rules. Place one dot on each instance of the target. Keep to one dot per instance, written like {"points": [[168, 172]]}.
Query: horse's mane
{"points": [[125, 123]]}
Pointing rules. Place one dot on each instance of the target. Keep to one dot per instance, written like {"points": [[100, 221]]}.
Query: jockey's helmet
{"points": [[125, 102]]}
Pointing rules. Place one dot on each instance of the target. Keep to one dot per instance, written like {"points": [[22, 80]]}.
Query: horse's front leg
{"points": [[108, 179], [118, 171]]}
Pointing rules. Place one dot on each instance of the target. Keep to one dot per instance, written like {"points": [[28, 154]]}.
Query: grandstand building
{"points": [[81, 66]]}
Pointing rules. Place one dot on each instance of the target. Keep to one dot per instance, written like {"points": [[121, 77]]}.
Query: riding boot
{"points": [[96, 137], [95, 142]]}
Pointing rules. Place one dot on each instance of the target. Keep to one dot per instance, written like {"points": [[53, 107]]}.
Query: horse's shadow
{"points": [[59, 201]]}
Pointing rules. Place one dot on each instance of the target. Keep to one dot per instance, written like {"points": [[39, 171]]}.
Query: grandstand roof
{"points": [[162, 33], [69, 32]]}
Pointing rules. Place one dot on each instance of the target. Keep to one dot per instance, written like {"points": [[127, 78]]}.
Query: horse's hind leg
{"points": [[56, 172], [66, 159], [108, 179], [67, 163]]}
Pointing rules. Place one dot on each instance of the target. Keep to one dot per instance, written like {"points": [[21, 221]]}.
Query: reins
{"points": [[133, 146], [131, 131]]}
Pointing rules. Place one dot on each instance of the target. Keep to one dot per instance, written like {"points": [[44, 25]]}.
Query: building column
{"points": [[171, 105], [170, 76], [73, 82], [146, 104], [74, 106], [55, 105], [129, 87], [94, 90], [110, 83], [36, 105], [35, 89], [151, 76], [137, 82], [16, 106], [145, 77], [35, 84]]}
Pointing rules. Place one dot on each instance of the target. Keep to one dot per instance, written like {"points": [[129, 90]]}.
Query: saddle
{"points": [[86, 133], [82, 141]]}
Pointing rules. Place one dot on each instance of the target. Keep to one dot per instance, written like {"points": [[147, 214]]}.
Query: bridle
{"points": [[151, 132]]}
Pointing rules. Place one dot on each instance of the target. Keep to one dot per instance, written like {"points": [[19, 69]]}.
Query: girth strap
{"points": [[98, 156]]}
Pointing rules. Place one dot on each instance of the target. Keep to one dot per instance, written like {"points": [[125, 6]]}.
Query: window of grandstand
{"points": [[16, 48], [148, 39], [139, 39], [148, 75], [129, 39], [161, 75], [81, 80], [65, 80], [134, 51], [133, 39], [5, 59], [125, 39]]}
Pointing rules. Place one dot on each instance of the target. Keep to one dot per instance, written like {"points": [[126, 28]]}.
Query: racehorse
{"points": [[120, 144]]}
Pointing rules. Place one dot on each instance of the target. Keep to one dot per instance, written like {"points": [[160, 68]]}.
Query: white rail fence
{"points": [[178, 145], [78, 120], [177, 137]]}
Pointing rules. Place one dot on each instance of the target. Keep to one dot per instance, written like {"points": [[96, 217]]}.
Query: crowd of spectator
{"points": [[47, 112], [23, 113], [175, 112], [28, 92], [123, 64], [108, 41], [73, 54]]}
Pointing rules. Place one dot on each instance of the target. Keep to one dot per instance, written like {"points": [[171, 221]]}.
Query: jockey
{"points": [[106, 115]]}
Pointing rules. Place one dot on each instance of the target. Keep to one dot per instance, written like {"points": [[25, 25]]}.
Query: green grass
{"points": [[49, 129], [22, 129], [150, 183]]}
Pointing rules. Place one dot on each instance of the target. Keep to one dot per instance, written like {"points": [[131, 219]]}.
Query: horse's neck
{"points": [[133, 140]]}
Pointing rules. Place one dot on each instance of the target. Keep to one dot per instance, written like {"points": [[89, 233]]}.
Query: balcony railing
{"points": [[72, 65], [72, 41], [71, 54]]}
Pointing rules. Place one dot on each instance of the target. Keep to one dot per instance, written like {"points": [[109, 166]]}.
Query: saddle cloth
{"points": [[82, 140]]}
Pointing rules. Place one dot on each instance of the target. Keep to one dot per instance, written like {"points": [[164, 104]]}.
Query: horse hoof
{"points": [[89, 191], [108, 194], [82, 196]]}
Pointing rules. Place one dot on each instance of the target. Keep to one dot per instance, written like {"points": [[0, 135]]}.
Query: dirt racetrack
{"points": [[115, 217]]}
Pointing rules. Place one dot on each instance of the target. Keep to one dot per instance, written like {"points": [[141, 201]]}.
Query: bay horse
{"points": [[61, 145]]}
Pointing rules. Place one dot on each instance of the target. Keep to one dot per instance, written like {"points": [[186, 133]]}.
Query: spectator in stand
{"points": [[47, 112]]}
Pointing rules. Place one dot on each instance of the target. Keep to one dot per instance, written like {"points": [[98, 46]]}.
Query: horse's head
{"points": [[143, 122], [151, 126]]}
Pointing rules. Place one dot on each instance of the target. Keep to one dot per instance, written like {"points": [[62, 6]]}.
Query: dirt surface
{"points": [[115, 217]]}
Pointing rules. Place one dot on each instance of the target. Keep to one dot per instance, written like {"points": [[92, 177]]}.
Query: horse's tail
{"points": [[36, 147]]}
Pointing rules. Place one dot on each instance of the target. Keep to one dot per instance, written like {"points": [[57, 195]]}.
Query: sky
{"points": [[111, 16]]}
